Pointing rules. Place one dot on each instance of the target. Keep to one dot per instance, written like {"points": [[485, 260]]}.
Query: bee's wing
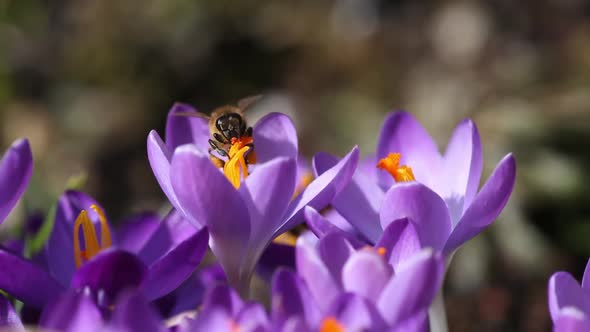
{"points": [[245, 103], [193, 115]]}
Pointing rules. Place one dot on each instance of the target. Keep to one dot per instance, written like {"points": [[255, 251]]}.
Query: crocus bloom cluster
{"points": [[382, 231], [569, 302]]}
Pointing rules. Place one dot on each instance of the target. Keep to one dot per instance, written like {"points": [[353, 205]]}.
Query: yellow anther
{"points": [[381, 251], [91, 245], [331, 324], [236, 168], [391, 165], [286, 238]]}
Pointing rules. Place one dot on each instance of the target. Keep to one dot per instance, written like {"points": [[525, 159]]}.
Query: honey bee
{"points": [[226, 125]]}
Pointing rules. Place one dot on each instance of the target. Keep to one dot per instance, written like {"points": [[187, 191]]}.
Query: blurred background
{"points": [[86, 80]]}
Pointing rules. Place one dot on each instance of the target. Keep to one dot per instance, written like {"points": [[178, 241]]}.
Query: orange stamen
{"points": [[331, 324], [236, 165], [391, 165], [91, 245], [381, 251]]}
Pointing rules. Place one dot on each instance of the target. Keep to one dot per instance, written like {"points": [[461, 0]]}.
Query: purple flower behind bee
{"points": [[439, 193]]}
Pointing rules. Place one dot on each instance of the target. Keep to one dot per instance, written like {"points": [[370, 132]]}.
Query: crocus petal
{"points": [[160, 158], [423, 206], [401, 133], [223, 297], [336, 219], [355, 313], [60, 246], [322, 190], [72, 312], [133, 313], [416, 283], [267, 193], [564, 291], [358, 202], [586, 279], [136, 231], [182, 129], [366, 273], [335, 251], [400, 240], [252, 317], [486, 206], [26, 281], [16, 168], [275, 136], [109, 273], [209, 198], [171, 231], [167, 273], [571, 319], [463, 163], [319, 225], [315, 273], [291, 298], [9, 319], [368, 167]]}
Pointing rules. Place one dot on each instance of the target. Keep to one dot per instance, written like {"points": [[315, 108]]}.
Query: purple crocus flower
{"points": [[439, 193], [375, 289], [569, 301], [16, 167], [242, 221], [156, 258]]}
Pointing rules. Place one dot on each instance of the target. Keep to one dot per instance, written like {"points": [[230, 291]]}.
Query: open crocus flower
{"points": [[366, 289], [410, 178], [151, 255], [16, 167], [242, 221], [569, 302]]}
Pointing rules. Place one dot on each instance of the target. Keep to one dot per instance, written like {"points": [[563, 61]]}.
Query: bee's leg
{"points": [[213, 146], [218, 137], [249, 132]]}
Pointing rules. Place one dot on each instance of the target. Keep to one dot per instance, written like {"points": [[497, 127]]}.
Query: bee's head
{"points": [[231, 125]]}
